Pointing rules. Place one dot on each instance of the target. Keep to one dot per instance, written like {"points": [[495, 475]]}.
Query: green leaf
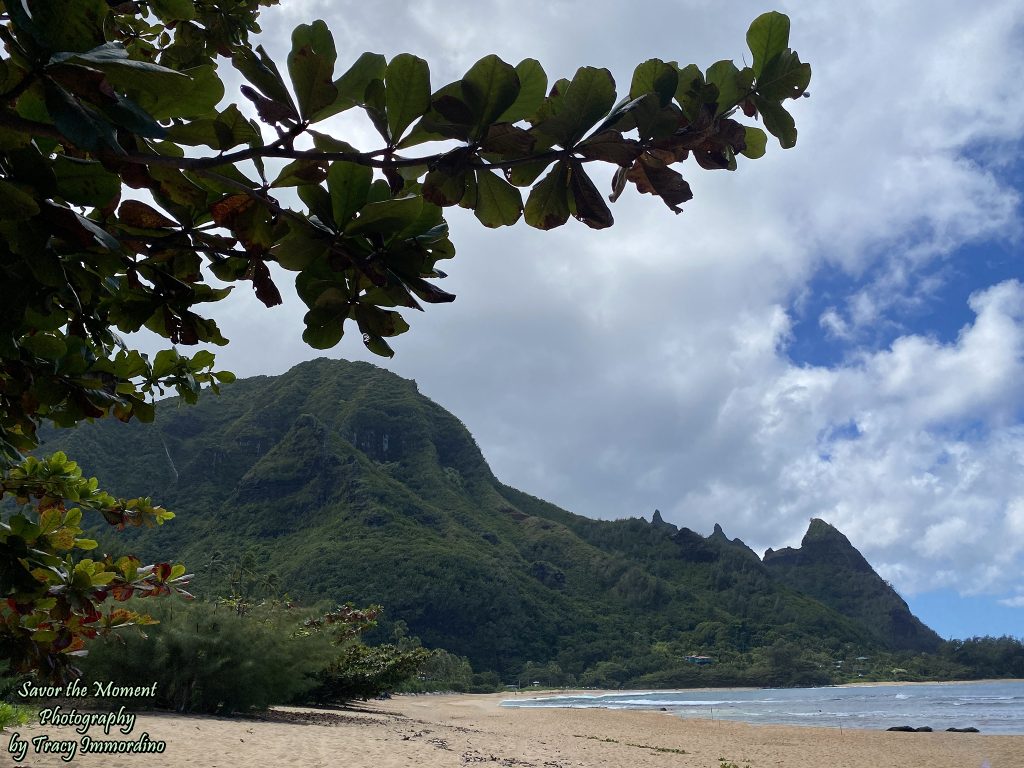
{"points": [[489, 88], [227, 130], [548, 204], [323, 330], [449, 117], [387, 216], [114, 60], [349, 185], [784, 77], [654, 75], [777, 120], [587, 99], [16, 204], [767, 37], [303, 245], [377, 345], [375, 106], [533, 84], [45, 345], [260, 70], [68, 26], [318, 201], [196, 97], [408, 92], [380, 322], [165, 362], [311, 66], [498, 203], [127, 114], [445, 186], [174, 10], [161, 92], [691, 83], [201, 359], [326, 143], [300, 172], [82, 124], [756, 140], [353, 84], [726, 77], [524, 175]]}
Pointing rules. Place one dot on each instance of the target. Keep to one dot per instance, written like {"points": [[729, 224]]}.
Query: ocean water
{"points": [[991, 707]]}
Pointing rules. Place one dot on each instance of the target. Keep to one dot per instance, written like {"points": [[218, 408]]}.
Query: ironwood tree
{"points": [[132, 193]]}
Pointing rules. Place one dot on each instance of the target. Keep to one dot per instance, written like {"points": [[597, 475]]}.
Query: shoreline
{"points": [[445, 731], [612, 691]]}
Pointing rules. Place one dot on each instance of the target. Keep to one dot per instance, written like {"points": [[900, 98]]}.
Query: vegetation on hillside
{"points": [[347, 484]]}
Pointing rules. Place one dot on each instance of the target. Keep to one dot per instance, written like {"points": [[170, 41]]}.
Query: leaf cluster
{"points": [[53, 601]]}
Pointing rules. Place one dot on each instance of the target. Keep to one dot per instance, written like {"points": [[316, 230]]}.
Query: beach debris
{"points": [[314, 718], [476, 757]]}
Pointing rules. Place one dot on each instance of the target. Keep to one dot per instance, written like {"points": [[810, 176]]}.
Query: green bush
{"points": [[14, 714], [362, 672], [208, 657]]}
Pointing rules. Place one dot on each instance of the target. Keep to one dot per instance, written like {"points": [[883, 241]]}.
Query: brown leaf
{"points": [[135, 213], [429, 292], [225, 212], [653, 177], [85, 82], [507, 139], [262, 283], [590, 207], [611, 147], [395, 181], [270, 111]]}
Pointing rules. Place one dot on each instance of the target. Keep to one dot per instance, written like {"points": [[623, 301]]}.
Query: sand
{"points": [[461, 730]]}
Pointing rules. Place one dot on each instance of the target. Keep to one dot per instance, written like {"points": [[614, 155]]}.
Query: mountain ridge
{"points": [[351, 485]]}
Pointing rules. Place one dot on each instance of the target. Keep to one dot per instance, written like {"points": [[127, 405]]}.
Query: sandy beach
{"points": [[460, 730]]}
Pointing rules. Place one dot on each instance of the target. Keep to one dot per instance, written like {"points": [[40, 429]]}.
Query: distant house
{"points": [[699, 660]]}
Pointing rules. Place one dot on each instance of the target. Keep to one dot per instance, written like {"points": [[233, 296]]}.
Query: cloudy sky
{"points": [[832, 331]]}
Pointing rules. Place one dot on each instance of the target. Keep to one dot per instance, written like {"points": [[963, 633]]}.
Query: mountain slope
{"points": [[350, 485], [827, 567]]}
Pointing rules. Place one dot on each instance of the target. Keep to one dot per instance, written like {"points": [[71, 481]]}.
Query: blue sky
{"points": [[832, 331]]}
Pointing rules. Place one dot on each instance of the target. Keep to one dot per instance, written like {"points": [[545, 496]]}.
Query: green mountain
{"points": [[348, 484], [827, 567]]}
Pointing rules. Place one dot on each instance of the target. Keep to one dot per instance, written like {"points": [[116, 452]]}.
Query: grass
{"points": [[14, 714]]}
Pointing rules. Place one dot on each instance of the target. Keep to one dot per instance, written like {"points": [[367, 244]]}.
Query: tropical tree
{"points": [[132, 193]]}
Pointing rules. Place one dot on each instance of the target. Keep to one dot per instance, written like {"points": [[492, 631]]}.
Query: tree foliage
{"points": [[206, 656], [131, 194]]}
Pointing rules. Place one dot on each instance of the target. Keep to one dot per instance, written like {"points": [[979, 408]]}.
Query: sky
{"points": [[833, 331]]}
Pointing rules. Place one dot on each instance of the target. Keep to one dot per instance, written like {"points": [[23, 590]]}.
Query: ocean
{"points": [[991, 707]]}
